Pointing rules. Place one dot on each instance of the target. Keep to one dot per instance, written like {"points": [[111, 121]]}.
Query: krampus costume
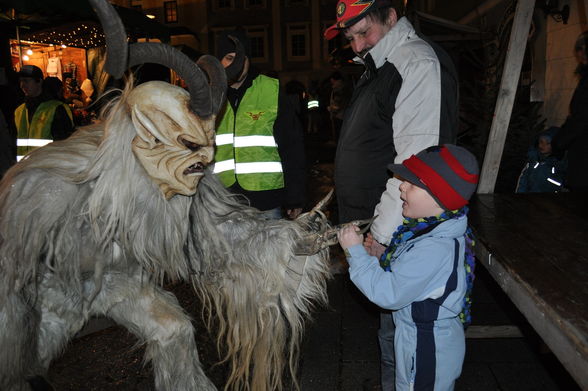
{"points": [[94, 224]]}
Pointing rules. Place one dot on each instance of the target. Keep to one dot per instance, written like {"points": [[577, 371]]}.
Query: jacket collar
{"points": [[452, 228], [386, 46]]}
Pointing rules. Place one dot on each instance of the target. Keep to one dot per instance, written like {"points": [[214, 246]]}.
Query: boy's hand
{"points": [[348, 236], [372, 246]]}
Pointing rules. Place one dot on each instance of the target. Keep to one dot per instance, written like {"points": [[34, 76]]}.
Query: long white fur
{"points": [[83, 231]]}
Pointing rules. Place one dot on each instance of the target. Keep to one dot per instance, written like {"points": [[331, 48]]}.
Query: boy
{"points": [[544, 172], [421, 275]]}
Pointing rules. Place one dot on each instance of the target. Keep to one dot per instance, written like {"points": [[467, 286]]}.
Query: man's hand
{"points": [[372, 246], [293, 213]]}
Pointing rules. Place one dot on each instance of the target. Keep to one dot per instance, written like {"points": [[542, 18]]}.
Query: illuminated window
{"points": [[298, 42], [171, 11]]}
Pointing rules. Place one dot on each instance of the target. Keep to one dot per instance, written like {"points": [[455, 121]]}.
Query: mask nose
{"points": [[207, 154]]}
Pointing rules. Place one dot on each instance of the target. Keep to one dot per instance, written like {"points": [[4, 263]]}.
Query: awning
{"points": [[72, 23]]}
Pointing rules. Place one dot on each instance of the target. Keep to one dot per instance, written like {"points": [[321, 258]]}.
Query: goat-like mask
{"points": [[173, 144]]}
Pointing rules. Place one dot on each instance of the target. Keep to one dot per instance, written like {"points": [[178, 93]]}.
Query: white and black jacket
{"points": [[404, 101]]}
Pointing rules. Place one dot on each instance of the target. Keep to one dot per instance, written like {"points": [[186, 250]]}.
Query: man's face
{"points": [[364, 35], [31, 87], [228, 60]]}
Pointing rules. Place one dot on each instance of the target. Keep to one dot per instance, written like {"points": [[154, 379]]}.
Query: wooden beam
{"points": [[484, 332], [479, 11], [449, 24], [460, 37], [506, 95]]}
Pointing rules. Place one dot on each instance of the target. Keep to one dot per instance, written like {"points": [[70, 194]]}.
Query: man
{"points": [[260, 149], [405, 101], [40, 119], [572, 139]]}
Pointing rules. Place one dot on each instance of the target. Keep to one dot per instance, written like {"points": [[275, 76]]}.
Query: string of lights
{"points": [[80, 35]]}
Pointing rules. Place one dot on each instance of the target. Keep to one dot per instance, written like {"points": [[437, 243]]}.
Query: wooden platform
{"points": [[536, 248]]}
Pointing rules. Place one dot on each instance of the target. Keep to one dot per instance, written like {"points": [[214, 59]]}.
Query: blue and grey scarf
{"points": [[412, 228]]}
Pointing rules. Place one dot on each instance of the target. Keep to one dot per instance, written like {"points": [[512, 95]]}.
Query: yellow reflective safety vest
{"points": [[36, 132], [247, 152]]}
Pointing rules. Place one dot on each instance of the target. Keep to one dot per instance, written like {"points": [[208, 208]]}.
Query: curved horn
{"points": [[116, 38], [236, 68], [217, 78], [204, 97], [324, 202]]}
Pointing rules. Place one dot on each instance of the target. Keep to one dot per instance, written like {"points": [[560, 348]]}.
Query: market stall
{"points": [[73, 52]]}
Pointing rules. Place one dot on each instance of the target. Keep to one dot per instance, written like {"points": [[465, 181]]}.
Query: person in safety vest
{"points": [[259, 138], [40, 119]]}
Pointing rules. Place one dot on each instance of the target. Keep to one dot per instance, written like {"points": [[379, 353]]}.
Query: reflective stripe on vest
{"points": [[29, 144], [36, 132], [247, 152]]}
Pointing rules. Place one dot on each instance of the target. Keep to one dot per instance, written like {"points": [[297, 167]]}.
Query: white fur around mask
{"points": [[84, 231]]}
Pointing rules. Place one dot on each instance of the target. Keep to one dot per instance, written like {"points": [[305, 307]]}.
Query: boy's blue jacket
{"points": [[425, 288], [420, 271]]}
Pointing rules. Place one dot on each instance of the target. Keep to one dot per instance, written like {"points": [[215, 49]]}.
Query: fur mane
{"points": [[248, 283], [84, 206], [89, 190]]}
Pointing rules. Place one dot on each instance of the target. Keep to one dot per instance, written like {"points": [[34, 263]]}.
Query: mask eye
{"points": [[190, 145]]}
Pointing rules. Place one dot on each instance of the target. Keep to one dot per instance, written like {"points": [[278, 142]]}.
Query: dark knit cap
{"points": [[226, 45], [31, 71], [447, 172]]}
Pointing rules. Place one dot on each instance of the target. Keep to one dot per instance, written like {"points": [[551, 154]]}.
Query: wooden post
{"points": [[506, 95]]}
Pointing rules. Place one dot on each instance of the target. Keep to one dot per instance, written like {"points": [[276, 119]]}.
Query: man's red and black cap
{"points": [[350, 12], [447, 172]]}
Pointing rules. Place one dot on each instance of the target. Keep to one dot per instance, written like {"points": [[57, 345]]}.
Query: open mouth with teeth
{"points": [[195, 169]]}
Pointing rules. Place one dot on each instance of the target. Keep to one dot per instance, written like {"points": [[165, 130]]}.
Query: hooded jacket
{"points": [[542, 174], [425, 287], [405, 100]]}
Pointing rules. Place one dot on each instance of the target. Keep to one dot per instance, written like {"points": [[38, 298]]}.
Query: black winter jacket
{"points": [[573, 136]]}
